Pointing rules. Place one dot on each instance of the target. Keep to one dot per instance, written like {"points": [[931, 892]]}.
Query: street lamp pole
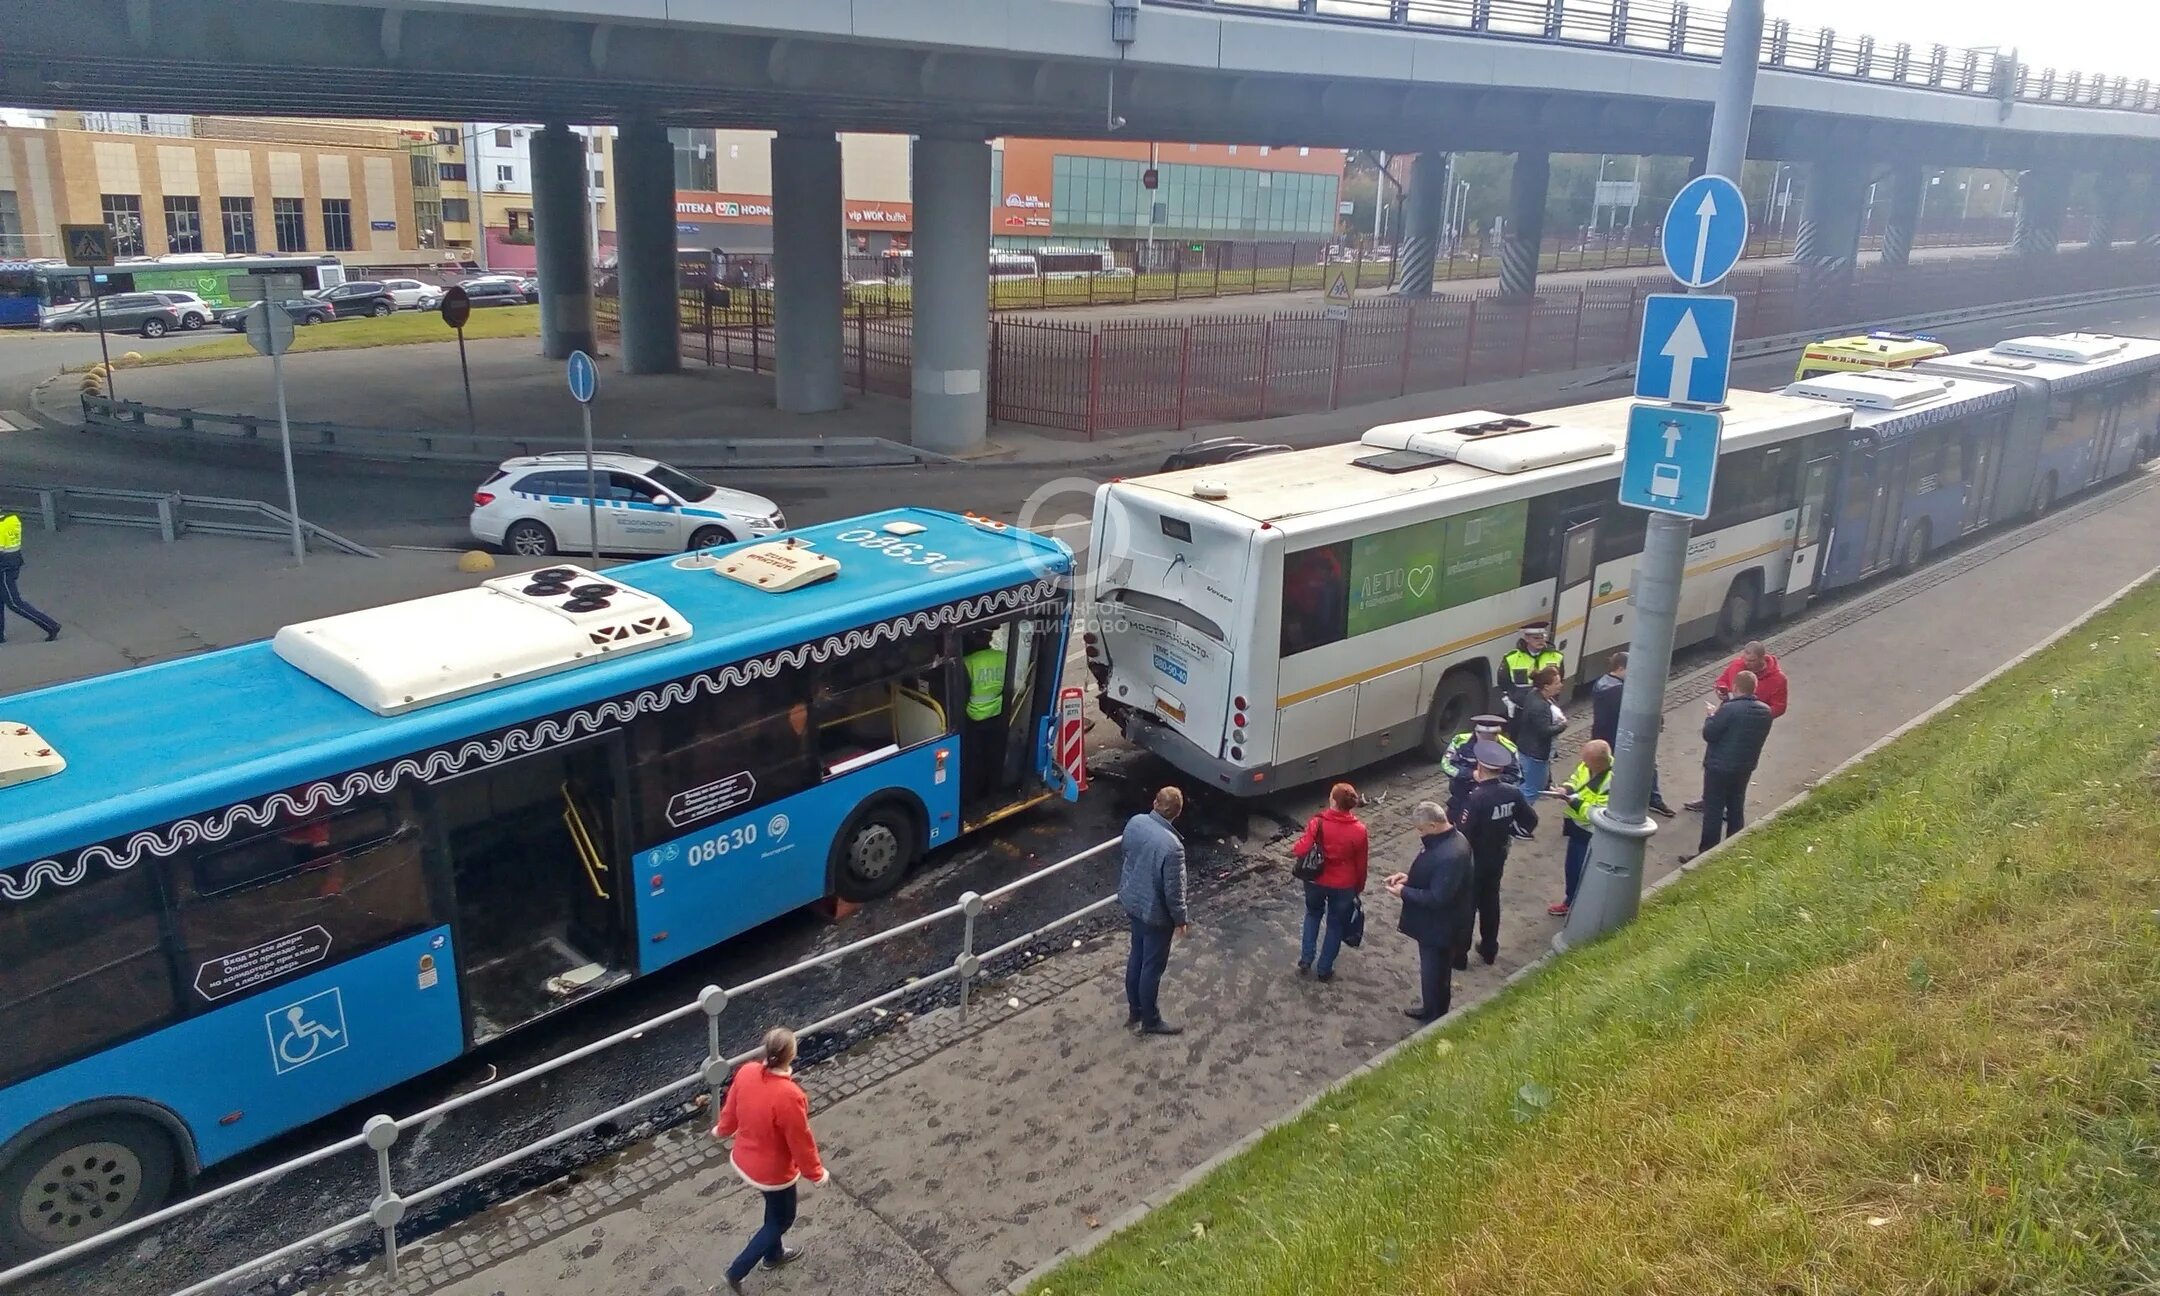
{"points": [[1611, 889]]}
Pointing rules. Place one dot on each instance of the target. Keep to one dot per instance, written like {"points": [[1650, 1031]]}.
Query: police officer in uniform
{"points": [[985, 666], [11, 564], [1460, 763], [1533, 652], [1493, 815]]}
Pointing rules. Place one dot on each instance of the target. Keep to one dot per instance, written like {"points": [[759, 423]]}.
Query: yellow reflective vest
{"points": [[986, 683], [1585, 792], [10, 533]]}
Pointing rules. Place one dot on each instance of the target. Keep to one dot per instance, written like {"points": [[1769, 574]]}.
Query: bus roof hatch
{"points": [[425, 651], [780, 566], [2063, 348], [25, 757], [1496, 443]]}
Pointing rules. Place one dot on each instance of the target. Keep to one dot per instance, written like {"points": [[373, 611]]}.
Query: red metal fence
{"points": [[1105, 377]]}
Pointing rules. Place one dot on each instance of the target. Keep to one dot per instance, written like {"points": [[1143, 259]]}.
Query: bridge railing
{"points": [[1683, 30]]}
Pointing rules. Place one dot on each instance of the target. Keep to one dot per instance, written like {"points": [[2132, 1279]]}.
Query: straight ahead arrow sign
{"points": [[1705, 213], [1683, 348]]}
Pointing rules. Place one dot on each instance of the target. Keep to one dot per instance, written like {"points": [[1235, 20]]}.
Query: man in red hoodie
{"points": [[1770, 684]]}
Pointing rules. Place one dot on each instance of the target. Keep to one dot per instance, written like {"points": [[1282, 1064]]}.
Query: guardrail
{"points": [[380, 1134], [172, 514], [397, 444], [1684, 31]]}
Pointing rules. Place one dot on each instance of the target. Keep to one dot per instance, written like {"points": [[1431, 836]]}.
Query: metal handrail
{"points": [[380, 1133], [1681, 30], [165, 515]]}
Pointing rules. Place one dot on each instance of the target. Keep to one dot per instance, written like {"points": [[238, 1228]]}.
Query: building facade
{"points": [[484, 170], [165, 184]]}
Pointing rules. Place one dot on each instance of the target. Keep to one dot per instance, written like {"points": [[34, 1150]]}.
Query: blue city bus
{"points": [[275, 879], [30, 288]]}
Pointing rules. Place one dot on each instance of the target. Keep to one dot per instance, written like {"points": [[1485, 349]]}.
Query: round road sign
{"points": [[456, 307], [584, 377]]}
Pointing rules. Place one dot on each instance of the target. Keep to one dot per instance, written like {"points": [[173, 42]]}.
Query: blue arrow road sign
{"points": [[1671, 460], [584, 378], [1705, 229], [1686, 350]]}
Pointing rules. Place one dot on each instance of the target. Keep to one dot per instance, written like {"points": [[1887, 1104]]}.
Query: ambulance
{"points": [[1867, 351]]}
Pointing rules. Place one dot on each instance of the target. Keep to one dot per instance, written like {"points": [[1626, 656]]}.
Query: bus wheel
{"points": [[873, 853], [2045, 504], [1916, 546], [1737, 616], [1461, 694], [79, 1181]]}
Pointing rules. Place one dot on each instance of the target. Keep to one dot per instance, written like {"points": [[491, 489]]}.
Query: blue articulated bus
{"points": [[242, 890]]}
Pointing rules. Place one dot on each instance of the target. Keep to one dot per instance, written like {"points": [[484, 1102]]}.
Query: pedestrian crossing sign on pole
{"points": [[87, 245], [1338, 294]]}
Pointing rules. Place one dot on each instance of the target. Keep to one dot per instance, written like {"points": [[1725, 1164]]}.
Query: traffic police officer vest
{"points": [[986, 683], [1586, 792], [10, 533]]}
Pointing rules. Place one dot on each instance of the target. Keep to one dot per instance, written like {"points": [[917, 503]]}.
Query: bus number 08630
{"points": [[735, 839], [907, 551]]}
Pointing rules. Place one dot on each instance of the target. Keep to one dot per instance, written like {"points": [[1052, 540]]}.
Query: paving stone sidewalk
{"points": [[965, 1156]]}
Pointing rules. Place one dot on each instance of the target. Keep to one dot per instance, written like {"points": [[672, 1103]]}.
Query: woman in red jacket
{"points": [[1333, 896], [769, 1118]]}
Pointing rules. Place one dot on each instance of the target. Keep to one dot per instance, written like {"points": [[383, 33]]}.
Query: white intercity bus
{"points": [[1276, 620]]}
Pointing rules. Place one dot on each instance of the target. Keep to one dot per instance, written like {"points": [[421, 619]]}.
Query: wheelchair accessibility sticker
{"points": [[310, 1029]]}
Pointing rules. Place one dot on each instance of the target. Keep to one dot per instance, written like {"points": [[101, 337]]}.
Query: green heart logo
{"points": [[1420, 580]]}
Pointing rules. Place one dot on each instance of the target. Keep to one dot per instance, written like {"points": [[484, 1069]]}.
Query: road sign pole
{"points": [[592, 485], [472, 422], [1611, 889], [97, 312], [292, 491]]}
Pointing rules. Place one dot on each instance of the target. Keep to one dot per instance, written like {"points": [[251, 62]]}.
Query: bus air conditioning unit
{"points": [[1495, 443], [2063, 348], [1873, 390], [431, 650]]}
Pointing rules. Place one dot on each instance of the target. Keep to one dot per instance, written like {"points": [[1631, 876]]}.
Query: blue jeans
{"points": [[1578, 855], [1333, 904], [767, 1243], [1144, 971], [1536, 776], [11, 600]]}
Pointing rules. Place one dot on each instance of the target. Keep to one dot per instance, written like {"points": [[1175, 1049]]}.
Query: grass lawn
{"points": [[1905, 1039], [391, 330]]}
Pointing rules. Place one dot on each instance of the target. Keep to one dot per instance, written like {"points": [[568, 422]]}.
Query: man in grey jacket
{"points": [[1151, 888]]}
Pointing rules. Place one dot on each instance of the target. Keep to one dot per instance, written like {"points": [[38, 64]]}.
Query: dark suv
{"points": [[358, 297], [501, 290], [144, 313]]}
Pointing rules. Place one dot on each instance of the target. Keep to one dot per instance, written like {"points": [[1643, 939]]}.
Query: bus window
{"points": [[1316, 597], [760, 727], [855, 709], [83, 969], [356, 875]]}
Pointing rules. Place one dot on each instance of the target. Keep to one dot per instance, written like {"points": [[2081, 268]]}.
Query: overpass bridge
{"points": [[1531, 77]]}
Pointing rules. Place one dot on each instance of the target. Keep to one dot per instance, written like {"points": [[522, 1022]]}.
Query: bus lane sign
{"points": [[273, 960]]}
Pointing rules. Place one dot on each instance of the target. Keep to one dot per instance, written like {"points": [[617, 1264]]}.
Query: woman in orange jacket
{"points": [[769, 1118]]}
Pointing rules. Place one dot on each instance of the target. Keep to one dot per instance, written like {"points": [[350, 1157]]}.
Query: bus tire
{"points": [[2044, 502], [1917, 541], [528, 539], [1460, 694], [706, 537], [80, 1180], [873, 853], [1736, 616]]}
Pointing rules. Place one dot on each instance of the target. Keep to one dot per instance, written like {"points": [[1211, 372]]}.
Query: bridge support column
{"points": [[1524, 245], [562, 243], [950, 409], [2111, 193], [2147, 222], [2041, 194], [808, 293], [1427, 203], [1829, 241], [1908, 186], [645, 249]]}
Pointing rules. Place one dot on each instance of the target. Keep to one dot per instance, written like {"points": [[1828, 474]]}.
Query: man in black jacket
{"points": [[1733, 741], [1492, 814], [1605, 720], [1436, 910]]}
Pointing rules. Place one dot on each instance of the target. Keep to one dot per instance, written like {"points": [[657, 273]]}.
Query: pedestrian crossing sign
{"points": [[87, 245], [1338, 296]]}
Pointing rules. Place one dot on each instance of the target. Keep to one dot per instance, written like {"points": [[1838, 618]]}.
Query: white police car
{"points": [[537, 505]]}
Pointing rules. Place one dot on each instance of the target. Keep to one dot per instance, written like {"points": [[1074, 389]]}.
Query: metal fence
{"points": [[1110, 376], [379, 1135], [1683, 30]]}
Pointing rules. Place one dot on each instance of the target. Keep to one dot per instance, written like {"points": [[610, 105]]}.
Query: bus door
{"points": [[537, 848], [2108, 435], [1981, 466], [1008, 744], [1571, 593], [1807, 554], [1888, 473]]}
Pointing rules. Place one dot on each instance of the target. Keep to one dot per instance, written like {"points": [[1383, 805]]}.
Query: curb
{"points": [[1155, 1200]]}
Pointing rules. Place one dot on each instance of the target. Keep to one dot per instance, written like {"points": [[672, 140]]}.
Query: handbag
{"points": [[1306, 867], [1353, 931]]}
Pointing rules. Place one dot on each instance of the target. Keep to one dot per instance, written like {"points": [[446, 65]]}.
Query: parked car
{"points": [[411, 294], [498, 290], [1217, 450], [357, 297], [144, 313], [304, 310], [537, 505], [194, 312]]}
